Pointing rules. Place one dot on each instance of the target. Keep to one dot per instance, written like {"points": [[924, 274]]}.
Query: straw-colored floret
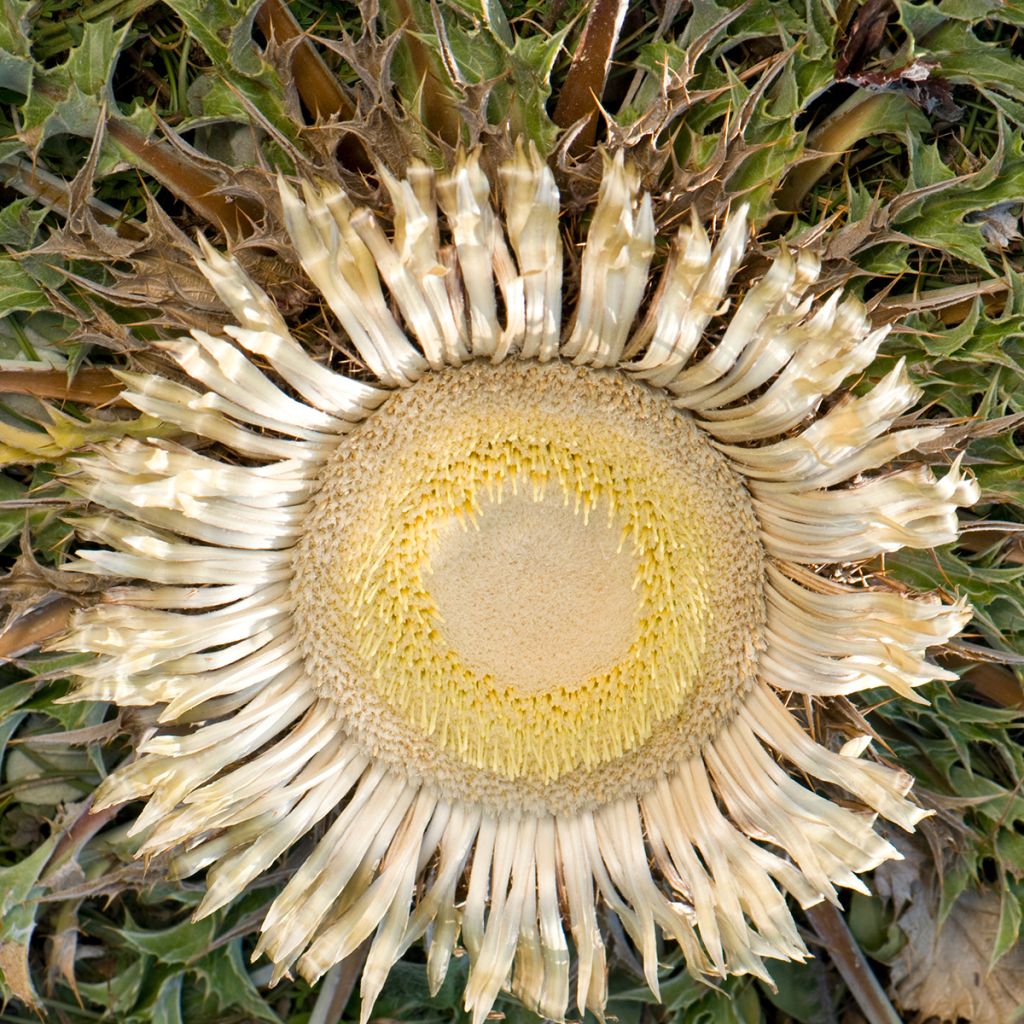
{"points": [[513, 620]]}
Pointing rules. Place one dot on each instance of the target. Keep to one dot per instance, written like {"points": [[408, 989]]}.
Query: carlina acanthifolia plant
{"points": [[495, 519]]}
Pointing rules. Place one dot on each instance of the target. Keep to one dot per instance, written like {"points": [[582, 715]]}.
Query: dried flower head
{"points": [[516, 621]]}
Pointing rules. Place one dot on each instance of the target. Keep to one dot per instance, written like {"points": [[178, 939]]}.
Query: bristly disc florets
{"points": [[518, 620], [530, 585]]}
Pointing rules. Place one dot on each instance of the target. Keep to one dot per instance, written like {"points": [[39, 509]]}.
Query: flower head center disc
{"points": [[534, 595], [531, 585]]}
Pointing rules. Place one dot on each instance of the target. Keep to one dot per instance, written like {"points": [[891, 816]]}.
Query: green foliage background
{"points": [[889, 135]]}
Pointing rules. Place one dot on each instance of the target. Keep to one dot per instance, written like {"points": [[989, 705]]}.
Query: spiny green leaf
{"points": [[18, 920], [165, 1005], [1009, 924], [223, 28], [177, 945], [490, 13], [14, 26], [70, 99], [936, 219], [18, 289], [964, 58], [13, 695], [955, 880], [16, 64], [531, 61], [120, 993], [975, 11], [55, 434], [224, 974], [19, 222], [519, 70]]}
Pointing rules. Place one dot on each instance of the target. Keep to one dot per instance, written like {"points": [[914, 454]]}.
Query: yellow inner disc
{"points": [[529, 571]]}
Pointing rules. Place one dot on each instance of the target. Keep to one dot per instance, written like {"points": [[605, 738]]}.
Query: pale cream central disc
{"points": [[533, 593]]}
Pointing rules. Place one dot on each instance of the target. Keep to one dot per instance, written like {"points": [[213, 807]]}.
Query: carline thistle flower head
{"points": [[516, 624]]}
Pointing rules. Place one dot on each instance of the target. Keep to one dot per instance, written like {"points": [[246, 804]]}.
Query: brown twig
{"points": [[35, 626], [438, 114], [580, 95], [953, 304], [40, 184], [190, 182], [337, 987], [90, 387], [998, 684], [320, 90], [839, 133], [318, 86], [849, 960]]}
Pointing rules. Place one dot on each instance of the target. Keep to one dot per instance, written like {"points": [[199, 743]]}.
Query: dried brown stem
{"points": [[851, 123], [953, 304], [437, 112], [190, 182], [40, 184], [320, 90], [32, 628], [849, 960], [996, 683], [337, 987], [580, 95], [90, 387]]}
